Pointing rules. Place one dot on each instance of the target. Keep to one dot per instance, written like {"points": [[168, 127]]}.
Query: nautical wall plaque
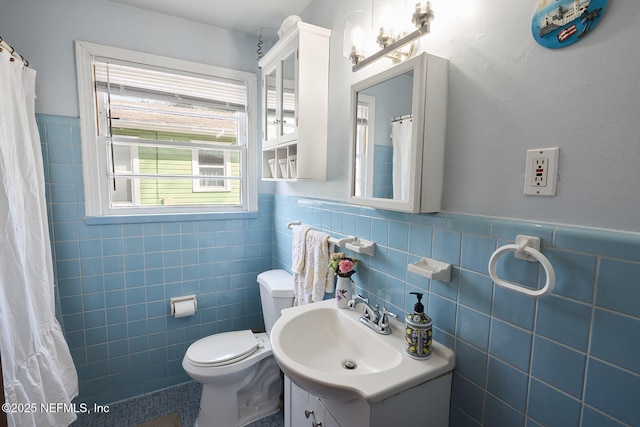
{"points": [[559, 23]]}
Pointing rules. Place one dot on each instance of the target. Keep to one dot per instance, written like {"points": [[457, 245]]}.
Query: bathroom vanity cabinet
{"points": [[426, 405], [304, 409], [295, 94]]}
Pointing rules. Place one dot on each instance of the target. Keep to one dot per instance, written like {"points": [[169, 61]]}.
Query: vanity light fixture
{"points": [[358, 43], [394, 38]]}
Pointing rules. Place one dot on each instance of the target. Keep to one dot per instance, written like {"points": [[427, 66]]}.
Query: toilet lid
{"points": [[222, 349]]}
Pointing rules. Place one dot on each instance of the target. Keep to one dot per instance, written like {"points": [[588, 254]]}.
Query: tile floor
{"points": [[183, 399]]}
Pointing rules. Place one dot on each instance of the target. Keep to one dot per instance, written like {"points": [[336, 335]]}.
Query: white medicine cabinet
{"points": [[398, 136], [295, 96]]}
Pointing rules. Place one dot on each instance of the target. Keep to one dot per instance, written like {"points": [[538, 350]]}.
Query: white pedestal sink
{"points": [[330, 354]]}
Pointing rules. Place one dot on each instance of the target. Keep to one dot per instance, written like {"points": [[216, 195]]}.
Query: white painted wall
{"points": [[44, 32], [506, 94]]}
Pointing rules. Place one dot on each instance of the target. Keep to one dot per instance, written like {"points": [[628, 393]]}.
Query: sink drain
{"points": [[349, 364]]}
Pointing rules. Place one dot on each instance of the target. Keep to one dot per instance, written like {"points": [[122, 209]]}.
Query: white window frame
{"points": [[95, 170]]}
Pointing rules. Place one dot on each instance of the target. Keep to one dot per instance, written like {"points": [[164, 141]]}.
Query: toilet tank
{"points": [[276, 293]]}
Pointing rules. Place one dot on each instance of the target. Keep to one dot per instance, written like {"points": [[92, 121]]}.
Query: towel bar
{"points": [[525, 248], [343, 241]]}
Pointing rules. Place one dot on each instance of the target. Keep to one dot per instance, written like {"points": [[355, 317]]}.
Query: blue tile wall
{"points": [[115, 280], [570, 359], [382, 179]]}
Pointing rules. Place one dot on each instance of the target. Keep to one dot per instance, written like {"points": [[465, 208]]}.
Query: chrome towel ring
{"points": [[528, 248]]}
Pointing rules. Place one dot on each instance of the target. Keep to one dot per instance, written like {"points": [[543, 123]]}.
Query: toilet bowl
{"points": [[241, 379]]}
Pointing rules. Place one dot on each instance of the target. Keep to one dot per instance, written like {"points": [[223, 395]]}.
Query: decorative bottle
{"points": [[418, 331]]}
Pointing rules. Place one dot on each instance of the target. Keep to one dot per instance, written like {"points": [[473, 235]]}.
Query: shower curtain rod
{"points": [[399, 118], [14, 55]]}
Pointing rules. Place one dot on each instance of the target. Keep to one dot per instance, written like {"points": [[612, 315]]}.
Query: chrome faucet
{"points": [[367, 311], [372, 316], [383, 323]]}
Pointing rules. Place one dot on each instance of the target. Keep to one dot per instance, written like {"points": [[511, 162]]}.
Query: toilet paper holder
{"points": [[175, 300]]}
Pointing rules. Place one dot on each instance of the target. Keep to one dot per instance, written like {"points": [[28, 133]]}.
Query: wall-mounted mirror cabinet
{"points": [[398, 134], [295, 99]]}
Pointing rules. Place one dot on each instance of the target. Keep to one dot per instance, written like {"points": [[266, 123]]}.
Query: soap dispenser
{"points": [[418, 331]]}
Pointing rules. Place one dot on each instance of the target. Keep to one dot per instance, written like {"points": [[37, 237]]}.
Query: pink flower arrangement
{"points": [[346, 266], [342, 265]]}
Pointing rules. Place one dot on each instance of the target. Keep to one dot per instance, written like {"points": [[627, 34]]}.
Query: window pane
{"points": [[141, 106], [156, 160], [122, 158], [179, 192], [164, 132], [161, 120], [211, 158], [121, 192], [121, 188], [211, 163], [118, 78], [184, 187]]}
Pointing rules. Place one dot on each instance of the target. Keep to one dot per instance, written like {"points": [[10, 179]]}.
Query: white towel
{"points": [[313, 279], [298, 240], [298, 253]]}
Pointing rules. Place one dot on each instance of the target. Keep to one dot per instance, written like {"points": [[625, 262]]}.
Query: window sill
{"points": [[138, 219]]}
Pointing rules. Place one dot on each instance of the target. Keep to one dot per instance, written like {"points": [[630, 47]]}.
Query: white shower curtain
{"points": [[401, 140], [36, 362]]}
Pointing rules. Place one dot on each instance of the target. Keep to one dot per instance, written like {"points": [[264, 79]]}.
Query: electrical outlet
{"points": [[539, 169], [540, 172]]}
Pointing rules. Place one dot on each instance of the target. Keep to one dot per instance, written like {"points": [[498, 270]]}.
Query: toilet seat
{"points": [[222, 349]]}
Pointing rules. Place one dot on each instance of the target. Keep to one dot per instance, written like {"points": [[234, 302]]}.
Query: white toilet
{"points": [[241, 380]]}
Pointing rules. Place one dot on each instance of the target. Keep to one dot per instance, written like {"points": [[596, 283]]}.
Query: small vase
{"points": [[344, 291]]}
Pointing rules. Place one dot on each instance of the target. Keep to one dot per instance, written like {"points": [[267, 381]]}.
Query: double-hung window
{"points": [[164, 136]]}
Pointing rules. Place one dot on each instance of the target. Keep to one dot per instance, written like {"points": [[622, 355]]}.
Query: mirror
{"points": [[280, 101], [390, 112], [289, 101], [384, 138], [270, 107]]}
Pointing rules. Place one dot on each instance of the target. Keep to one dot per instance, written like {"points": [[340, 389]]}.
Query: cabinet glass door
{"points": [[270, 107], [289, 100]]}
